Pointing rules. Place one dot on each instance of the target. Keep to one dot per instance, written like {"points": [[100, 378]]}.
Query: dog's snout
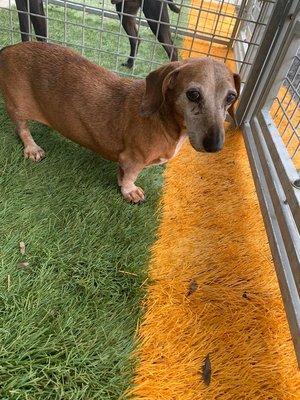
{"points": [[213, 141]]}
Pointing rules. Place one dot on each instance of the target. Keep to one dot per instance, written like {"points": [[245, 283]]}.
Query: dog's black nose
{"points": [[213, 140]]}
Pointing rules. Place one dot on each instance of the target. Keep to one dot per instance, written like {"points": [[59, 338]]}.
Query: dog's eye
{"points": [[193, 95], [230, 98]]}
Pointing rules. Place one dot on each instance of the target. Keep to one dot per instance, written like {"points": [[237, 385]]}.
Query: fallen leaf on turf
{"points": [[245, 296], [24, 264], [22, 248], [127, 273], [193, 286], [206, 370]]}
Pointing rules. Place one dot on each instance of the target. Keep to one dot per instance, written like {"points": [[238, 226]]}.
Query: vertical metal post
{"points": [[237, 22], [263, 57]]}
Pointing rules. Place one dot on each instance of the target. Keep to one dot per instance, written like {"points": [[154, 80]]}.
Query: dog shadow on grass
{"points": [[90, 169], [71, 164]]}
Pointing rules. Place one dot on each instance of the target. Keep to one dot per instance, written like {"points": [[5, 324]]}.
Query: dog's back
{"points": [[58, 87], [32, 72]]}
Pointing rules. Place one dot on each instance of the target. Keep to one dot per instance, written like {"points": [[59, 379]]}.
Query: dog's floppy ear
{"points": [[157, 83], [237, 84]]}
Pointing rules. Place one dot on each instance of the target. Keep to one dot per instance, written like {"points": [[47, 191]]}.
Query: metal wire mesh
{"points": [[285, 110], [93, 27]]}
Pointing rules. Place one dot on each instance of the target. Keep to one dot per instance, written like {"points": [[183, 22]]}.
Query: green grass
{"points": [[68, 319]]}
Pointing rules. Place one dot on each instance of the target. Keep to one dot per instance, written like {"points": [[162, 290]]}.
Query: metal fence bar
{"points": [[284, 114], [194, 36], [250, 93], [256, 36], [237, 22]]}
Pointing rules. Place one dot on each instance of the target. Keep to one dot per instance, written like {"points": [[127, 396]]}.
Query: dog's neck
{"points": [[172, 120]]}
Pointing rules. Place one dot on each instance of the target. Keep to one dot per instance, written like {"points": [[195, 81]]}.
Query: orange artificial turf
{"points": [[212, 233], [213, 238]]}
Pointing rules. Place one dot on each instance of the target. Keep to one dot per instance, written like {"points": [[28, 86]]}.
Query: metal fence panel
{"points": [[93, 27], [271, 110]]}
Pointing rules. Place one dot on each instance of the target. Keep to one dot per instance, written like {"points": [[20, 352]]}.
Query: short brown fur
{"points": [[95, 107]]}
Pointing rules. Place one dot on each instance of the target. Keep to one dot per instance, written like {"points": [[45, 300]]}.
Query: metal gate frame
{"points": [[276, 178]]}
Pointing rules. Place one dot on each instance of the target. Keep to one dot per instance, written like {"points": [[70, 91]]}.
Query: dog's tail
{"points": [[173, 7]]}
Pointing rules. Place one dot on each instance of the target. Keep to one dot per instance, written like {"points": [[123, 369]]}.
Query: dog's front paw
{"points": [[134, 195], [34, 152]]}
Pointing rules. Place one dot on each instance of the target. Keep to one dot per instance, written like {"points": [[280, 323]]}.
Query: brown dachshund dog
{"points": [[136, 123]]}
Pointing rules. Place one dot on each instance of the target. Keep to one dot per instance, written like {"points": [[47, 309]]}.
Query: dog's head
{"points": [[201, 91]]}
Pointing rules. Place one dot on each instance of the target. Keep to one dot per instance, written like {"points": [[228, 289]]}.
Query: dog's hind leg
{"points": [[165, 39], [24, 20], [131, 30], [161, 29], [39, 21], [129, 25]]}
